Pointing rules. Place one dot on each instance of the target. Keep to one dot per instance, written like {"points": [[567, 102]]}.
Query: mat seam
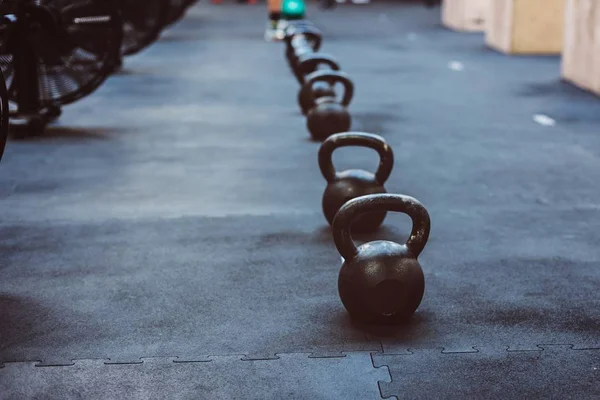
{"points": [[311, 355]]}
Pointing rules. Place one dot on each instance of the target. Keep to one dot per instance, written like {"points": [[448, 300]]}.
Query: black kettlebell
{"points": [[346, 185], [297, 23], [329, 116], [294, 26], [381, 282], [311, 62], [301, 40], [308, 64], [307, 97]]}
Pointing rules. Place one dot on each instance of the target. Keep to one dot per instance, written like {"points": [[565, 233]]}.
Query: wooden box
{"points": [[526, 26], [465, 15], [581, 52]]}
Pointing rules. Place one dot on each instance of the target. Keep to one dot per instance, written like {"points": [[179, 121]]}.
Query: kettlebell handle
{"points": [[309, 33], [309, 62], [362, 139], [381, 202], [333, 77], [300, 26]]}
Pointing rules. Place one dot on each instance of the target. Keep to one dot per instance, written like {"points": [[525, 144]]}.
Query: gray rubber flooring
{"points": [[222, 377], [165, 238]]}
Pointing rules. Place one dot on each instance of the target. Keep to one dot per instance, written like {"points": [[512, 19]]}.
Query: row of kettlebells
{"points": [[318, 73], [380, 281]]}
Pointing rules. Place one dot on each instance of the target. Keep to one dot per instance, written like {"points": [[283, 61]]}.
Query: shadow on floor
{"points": [[66, 132], [566, 103], [374, 121], [558, 88], [177, 38], [19, 318], [128, 71]]}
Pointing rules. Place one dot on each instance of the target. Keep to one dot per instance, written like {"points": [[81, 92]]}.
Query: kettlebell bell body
{"points": [[381, 282], [329, 116], [347, 185], [326, 118], [308, 96]]}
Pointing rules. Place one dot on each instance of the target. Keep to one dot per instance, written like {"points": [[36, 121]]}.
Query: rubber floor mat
{"points": [[293, 376], [195, 286], [529, 277], [176, 212], [548, 371]]}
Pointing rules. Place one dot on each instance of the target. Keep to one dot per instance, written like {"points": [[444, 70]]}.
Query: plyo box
{"points": [[526, 26], [581, 53], [465, 15]]}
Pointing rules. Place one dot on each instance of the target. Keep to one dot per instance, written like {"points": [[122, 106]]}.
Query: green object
{"points": [[293, 9]]}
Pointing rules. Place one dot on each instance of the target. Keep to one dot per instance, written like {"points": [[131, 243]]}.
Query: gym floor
{"points": [[165, 239]]}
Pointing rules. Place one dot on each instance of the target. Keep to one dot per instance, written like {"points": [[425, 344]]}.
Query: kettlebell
{"points": [[303, 39], [291, 25], [311, 62], [308, 64], [346, 185], [328, 115], [381, 282]]}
